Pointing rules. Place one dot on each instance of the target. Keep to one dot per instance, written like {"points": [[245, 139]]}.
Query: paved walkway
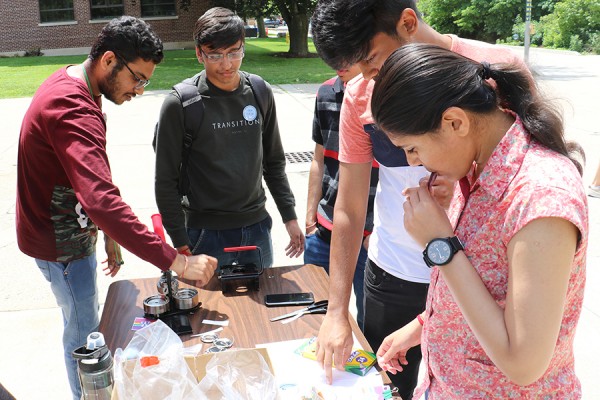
{"points": [[30, 345]]}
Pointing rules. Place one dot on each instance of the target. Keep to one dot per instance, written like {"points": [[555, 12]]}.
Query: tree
{"points": [[296, 14], [578, 18], [442, 15], [486, 20]]}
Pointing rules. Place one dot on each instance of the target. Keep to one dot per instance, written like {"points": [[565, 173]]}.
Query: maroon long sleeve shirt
{"points": [[64, 184]]}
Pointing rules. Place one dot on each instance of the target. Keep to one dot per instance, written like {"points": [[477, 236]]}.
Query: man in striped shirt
{"points": [[323, 183]]}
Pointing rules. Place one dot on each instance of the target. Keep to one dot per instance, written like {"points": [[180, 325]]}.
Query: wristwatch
{"points": [[440, 251]]}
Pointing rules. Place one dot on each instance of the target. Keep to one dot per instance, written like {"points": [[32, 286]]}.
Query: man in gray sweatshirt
{"points": [[236, 146]]}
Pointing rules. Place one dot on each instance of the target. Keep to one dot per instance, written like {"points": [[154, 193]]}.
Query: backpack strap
{"points": [[193, 112], [262, 94]]}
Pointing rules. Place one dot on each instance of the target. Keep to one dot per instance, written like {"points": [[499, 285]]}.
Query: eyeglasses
{"points": [[215, 58], [141, 83]]}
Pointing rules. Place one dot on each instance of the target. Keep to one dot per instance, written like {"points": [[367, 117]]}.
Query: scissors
{"points": [[319, 307]]}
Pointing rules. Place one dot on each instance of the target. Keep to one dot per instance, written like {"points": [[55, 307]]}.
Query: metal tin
{"points": [[156, 305], [215, 349], [209, 337], [224, 343], [186, 298]]}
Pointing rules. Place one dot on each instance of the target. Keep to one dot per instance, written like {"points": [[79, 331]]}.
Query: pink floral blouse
{"points": [[522, 181]]}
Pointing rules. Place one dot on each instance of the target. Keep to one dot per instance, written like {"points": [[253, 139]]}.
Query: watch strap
{"points": [[456, 244], [426, 259]]}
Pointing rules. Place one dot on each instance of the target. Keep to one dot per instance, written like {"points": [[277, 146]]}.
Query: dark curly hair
{"points": [[129, 37]]}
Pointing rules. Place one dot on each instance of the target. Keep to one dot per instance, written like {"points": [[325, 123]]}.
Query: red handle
{"points": [[158, 226], [241, 248]]}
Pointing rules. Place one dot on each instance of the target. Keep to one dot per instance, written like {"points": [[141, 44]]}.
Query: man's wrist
{"points": [[338, 309], [178, 264]]}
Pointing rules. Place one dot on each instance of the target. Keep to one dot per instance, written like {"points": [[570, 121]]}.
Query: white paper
{"points": [[297, 373], [212, 322]]}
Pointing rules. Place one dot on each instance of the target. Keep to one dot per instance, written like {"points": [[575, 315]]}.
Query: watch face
{"points": [[439, 251]]}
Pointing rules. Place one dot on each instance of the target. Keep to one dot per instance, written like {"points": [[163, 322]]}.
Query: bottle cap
{"points": [[95, 340]]}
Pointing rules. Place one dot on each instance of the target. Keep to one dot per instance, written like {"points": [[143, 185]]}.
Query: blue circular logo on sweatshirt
{"points": [[249, 113]]}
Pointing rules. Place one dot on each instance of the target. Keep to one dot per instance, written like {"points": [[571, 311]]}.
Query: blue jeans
{"points": [[212, 242], [74, 287], [316, 251]]}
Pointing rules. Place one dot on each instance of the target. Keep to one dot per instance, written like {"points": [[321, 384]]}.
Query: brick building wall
{"points": [[21, 30]]}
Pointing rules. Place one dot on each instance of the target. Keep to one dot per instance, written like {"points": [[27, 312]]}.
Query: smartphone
{"points": [[289, 299]]}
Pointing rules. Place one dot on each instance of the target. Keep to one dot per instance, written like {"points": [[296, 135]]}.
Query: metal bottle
{"points": [[95, 366]]}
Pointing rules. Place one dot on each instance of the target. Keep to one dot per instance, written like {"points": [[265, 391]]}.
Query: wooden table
{"points": [[248, 317]]}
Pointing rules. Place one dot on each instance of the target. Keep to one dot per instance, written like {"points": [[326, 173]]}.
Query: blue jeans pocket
{"points": [[43, 266]]}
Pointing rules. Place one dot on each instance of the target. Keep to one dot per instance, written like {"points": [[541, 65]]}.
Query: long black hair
{"points": [[418, 82]]}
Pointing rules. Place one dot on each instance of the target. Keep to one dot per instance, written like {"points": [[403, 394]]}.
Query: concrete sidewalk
{"points": [[30, 345]]}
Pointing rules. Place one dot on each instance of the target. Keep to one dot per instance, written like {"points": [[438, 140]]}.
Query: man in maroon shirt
{"points": [[64, 186]]}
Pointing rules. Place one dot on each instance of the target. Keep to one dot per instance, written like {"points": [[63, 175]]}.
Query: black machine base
{"points": [[180, 323], [239, 278], [177, 320]]}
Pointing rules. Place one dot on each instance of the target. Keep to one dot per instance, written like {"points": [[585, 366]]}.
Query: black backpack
{"points": [[193, 112]]}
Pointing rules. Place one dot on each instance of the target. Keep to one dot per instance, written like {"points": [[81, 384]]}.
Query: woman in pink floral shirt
{"points": [[503, 305]]}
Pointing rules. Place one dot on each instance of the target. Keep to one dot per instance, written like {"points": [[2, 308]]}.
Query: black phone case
{"points": [[271, 302]]}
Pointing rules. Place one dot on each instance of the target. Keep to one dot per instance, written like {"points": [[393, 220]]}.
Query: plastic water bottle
{"points": [[95, 366]]}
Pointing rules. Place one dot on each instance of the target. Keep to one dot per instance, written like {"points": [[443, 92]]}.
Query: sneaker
{"points": [[594, 191]]}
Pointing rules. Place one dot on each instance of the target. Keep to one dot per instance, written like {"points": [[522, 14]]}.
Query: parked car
{"points": [[272, 23], [251, 31]]}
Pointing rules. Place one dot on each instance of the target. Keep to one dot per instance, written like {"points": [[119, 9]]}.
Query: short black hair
{"points": [[129, 37], [219, 28], [342, 29]]}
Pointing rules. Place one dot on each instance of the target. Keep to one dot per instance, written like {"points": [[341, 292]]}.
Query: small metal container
{"points": [[215, 349], [156, 305], [209, 337], [224, 343], [186, 298]]}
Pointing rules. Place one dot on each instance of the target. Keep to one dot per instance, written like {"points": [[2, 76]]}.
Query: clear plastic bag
{"points": [[230, 375], [239, 375], [170, 379]]}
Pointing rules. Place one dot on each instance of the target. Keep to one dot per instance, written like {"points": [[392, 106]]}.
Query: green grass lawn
{"points": [[21, 76]]}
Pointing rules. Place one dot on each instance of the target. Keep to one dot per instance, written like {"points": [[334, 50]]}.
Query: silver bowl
{"points": [[156, 305]]}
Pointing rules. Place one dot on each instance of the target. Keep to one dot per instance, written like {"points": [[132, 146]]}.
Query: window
{"points": [[158, 8], [56, 11], [106, 9]]}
